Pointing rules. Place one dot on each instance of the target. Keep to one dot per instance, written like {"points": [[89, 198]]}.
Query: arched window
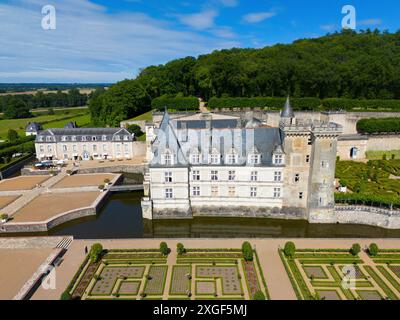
{"points": [[354, 153]]}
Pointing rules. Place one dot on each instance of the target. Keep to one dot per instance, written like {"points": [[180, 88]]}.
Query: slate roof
{"points": [[287, 111], [71, 125], [110, 133], [33, 127], [243, 140]]}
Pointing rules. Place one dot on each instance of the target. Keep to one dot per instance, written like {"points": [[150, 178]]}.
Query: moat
{"points": [[121, 218]]}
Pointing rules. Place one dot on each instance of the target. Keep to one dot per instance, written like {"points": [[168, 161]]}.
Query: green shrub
{"points": [[263, 103], [247, 251], [259, 295], [175, 103], [96, 252], [373, 249], [4, 216], [289, 249], [355, 104], [66, 296], [180, 249], [164, 248], [355, 249], [378, 125]]}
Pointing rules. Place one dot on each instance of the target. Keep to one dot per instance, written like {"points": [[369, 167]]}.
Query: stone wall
{"points": [[359, 215], [383, 143], [114, 169], [44, 226]]}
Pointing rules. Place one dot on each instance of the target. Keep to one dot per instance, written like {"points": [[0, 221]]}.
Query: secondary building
{"points": [[84, 144]]}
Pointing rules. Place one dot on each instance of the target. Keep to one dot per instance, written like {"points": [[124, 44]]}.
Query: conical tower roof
{"points": [[287, 111]]}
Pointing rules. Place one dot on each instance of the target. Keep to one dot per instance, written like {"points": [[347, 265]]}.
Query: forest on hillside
{"points": [[351, 65]]}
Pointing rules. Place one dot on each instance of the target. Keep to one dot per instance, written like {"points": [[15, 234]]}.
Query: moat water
{"points": [[121, 217]]}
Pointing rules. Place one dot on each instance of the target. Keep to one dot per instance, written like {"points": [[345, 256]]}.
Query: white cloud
{"points": [[370, 22], [90, 44], [199, 21], [257, 17], [224, 32], [328, 27], [229, 3]]}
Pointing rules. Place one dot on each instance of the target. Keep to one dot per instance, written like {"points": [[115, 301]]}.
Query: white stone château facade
{"points": [[84, 144], [212, 164]]}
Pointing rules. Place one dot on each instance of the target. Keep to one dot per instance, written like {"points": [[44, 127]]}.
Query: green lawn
{"points": [[60, 119], [81, 121], [145, 116]]}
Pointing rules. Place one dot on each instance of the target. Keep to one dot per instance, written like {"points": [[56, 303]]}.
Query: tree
{"points": [[17, 109], [355, 249], [164, 248], [259, 295], [247, 251], [12, 135], [134, 128], [373, 249], [289, 249], [180, 249], [95, 252]]}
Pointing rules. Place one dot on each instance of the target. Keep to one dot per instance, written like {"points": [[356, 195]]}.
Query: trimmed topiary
{"points": [[247, 251], [164, 248], [259, 295], [355, 249], [180, 249], [95, 252], [373, 249], [66, 296], [289, 249]]}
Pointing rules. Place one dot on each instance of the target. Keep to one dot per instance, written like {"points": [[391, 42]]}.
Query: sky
{"points": [[105, 41]]}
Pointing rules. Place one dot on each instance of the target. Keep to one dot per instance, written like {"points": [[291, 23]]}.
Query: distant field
{"points": [[59, 119], [81, 90]]}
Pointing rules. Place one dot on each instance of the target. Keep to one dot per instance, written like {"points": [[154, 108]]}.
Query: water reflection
{"points": [[122, 218]]}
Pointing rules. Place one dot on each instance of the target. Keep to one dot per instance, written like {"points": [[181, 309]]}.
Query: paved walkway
{"points": [[203, 108]]}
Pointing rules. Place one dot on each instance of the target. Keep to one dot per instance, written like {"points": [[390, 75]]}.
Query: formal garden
{"points": [[375, 183], [341, 274], [217, 274]]}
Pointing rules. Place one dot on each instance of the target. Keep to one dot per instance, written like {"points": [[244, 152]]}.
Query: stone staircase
{"points": [[65, 243]]}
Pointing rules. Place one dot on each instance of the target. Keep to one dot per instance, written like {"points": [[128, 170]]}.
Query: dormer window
{"points": [[232, 157], [195, 158], [254, 159], [215, 158], [126, 138], [104, 138], [63, 138], [118, 138], [94, 138], [167, 158], [278, 159], [49, 139], [40, 139], [73, 138], [83, 138]]}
